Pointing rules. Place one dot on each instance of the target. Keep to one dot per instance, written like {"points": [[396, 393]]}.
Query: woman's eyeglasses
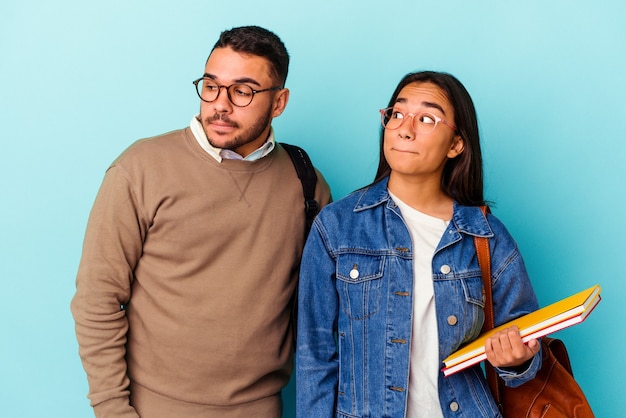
{"points": [[424, 123]]}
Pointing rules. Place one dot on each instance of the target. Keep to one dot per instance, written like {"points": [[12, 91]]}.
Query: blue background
{"points": [[81, 80]]}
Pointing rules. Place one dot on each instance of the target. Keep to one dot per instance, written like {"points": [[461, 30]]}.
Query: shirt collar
{"points": [[219, 154]]}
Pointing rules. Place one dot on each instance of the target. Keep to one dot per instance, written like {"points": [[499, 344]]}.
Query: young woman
{"points": [[390, 283]]}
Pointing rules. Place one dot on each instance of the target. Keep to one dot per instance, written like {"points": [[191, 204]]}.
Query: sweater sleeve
{"points": [[323, 193], [112, 246]]}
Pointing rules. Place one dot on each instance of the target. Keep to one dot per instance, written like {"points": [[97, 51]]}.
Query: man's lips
{"points": [[222, 124]]}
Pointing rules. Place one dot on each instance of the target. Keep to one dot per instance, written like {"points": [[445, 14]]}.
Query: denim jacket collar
{"points": [[466, 219]]}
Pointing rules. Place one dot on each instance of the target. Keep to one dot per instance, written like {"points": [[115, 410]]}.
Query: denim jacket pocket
{"points": [[359, 279], [475, 299]]}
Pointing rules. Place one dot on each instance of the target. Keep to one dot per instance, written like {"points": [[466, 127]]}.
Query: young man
{"points": [[191, 253]]}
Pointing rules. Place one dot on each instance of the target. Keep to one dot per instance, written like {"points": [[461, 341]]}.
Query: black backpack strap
{"points": [[306, 174]]}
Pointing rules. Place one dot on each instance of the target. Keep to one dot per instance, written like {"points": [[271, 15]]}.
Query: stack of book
{"points": [[562, 314]]}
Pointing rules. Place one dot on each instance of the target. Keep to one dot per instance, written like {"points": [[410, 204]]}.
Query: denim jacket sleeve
{"points": [[513, 295], [515, 379], [317, 361]]}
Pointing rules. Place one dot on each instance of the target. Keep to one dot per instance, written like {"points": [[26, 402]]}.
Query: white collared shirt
{"points": [[219, 154]]}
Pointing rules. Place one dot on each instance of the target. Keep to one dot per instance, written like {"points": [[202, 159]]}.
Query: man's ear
{"points": [[280, 102], [458, 145]]}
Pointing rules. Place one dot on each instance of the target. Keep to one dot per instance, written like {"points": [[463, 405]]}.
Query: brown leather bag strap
{"points": [[484, 261]]}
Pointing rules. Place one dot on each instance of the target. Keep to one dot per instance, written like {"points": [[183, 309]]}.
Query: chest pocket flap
{"points": [[359, 282], [356, 268]]}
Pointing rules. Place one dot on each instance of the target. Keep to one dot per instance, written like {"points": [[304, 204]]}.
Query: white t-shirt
{"points": [[423, 395]]}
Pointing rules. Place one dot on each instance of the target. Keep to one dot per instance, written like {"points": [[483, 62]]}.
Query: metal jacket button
{"points": [[445, 269], [354, 273]]}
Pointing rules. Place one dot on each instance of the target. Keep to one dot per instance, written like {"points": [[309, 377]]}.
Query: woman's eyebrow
{"points": [[433, 105]]}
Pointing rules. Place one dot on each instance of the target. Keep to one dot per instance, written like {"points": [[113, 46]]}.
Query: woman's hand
{"points": [[506, 349]]}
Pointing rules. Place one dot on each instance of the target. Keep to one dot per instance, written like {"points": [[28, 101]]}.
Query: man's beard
{"points": [[247, 136]]}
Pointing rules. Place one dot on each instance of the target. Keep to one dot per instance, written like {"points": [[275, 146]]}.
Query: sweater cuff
{"points": [[115, 408]]}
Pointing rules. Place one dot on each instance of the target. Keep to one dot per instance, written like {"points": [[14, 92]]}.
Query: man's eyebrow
{"points": [[246, 80]]}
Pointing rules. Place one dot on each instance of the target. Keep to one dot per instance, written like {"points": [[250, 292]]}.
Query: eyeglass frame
{"points": [[219, 91], [412, 115]]}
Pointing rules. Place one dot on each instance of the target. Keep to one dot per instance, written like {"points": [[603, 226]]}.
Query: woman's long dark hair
{"points": [[462, 177]]}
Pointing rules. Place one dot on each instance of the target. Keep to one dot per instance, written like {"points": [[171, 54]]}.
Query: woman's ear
{"points": [[458, 145]]}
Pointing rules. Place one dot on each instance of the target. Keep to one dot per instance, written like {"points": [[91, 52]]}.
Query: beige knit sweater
{"points": [[204, 257]]}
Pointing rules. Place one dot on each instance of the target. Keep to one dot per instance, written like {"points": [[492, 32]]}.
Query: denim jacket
{"points": [[355, 308]]}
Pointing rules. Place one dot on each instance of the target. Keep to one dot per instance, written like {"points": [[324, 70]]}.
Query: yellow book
{"points": [[564, 313]]}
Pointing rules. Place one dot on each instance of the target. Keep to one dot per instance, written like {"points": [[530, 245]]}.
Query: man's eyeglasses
{"points": [[424, 123], [240, 95]]}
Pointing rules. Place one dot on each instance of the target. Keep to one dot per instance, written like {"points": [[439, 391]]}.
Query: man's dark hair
{"points": [[261, 42]]}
